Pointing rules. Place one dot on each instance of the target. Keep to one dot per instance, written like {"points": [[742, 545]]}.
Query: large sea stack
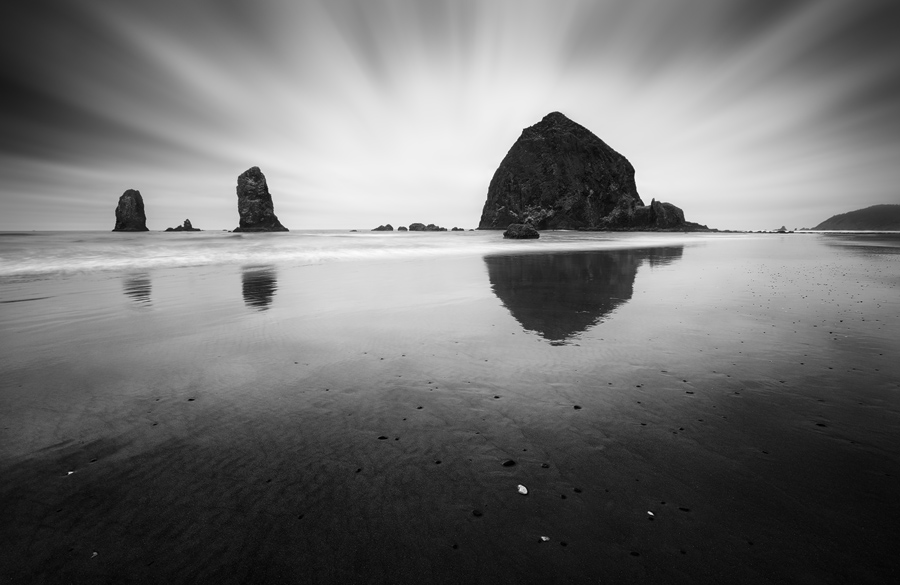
{"points": [[130, 216], [255, 204], [559, 175]]}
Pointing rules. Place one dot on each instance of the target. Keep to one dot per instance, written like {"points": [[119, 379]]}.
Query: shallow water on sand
{"points": [[327, 407]]}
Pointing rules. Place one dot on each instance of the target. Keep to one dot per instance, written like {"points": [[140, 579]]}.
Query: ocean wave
{"points": [[77, 252]]}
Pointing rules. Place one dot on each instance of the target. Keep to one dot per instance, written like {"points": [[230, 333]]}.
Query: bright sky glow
{"points": [[746, 114]]}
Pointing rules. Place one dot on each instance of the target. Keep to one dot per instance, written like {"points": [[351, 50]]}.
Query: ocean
{"points": [[333, 406]]}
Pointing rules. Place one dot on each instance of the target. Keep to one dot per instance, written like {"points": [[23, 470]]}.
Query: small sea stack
{"points": [[130, 216], [421, 227], [186, 227], [255, 206]]}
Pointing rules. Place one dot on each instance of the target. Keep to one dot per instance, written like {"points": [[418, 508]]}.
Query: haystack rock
{"points": [[255, 204], [559, 175], [130, 216]]}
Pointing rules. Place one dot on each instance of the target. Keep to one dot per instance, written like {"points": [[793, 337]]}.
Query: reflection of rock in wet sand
{"points": [[259, 286], [137, 288], [559, 295]]}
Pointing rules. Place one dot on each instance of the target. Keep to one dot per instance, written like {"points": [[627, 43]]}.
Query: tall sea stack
{"points": [[255, 204], [559, 175], [130, 216]]}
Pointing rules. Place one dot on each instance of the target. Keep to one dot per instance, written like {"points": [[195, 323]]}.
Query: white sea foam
{"points": [[49, 253]]}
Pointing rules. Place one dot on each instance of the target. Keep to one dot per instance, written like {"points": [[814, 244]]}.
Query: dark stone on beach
{"points": [[559, 175], [520, 231], [384, 228], [402, 228], [186, 227], [508, 463], [130, 216], [255, 206]]}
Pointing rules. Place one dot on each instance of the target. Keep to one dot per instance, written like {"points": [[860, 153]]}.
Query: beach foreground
{"points": [[714, 409]]}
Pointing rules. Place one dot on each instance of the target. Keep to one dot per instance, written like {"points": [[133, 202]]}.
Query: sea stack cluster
{"points": [[255, 208], [559, 175]]}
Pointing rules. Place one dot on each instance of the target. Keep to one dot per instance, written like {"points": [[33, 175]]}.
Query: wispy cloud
{"points": [[746, 113]]}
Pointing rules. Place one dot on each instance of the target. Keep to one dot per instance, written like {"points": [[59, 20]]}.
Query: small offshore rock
{"points": [[520, 231], [384, 228], [186, 227], [402, 228]]}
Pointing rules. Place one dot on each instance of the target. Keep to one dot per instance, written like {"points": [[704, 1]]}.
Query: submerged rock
{"points": [[187, 227], [130, 216], [559, 175], [520, 231], [255, 206]]}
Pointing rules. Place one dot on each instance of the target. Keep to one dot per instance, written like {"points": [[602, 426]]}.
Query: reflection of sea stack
{"points": [[130, 216], [559, 295], [255, 204], [559, 175], [259, 286], [137, 288]]}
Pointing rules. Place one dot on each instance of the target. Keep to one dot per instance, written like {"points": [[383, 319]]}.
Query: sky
{"points": [[747, 114]]}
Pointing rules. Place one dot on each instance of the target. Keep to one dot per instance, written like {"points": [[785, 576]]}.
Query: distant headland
{"points": [[875, 218]]}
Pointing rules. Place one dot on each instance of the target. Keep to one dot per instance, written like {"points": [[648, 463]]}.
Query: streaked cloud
{"points": [[747, 114]]}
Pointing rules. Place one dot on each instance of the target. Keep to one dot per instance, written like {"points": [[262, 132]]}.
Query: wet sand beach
{"points": [[719, 409]]}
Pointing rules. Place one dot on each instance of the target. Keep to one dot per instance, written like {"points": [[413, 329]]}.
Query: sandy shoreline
{"points": [[349, 423]]}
